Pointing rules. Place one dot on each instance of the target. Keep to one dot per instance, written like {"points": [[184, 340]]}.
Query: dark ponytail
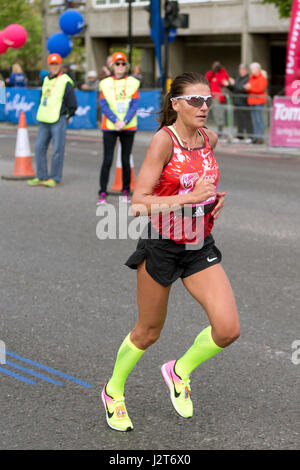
{"points": [[167, 115]]}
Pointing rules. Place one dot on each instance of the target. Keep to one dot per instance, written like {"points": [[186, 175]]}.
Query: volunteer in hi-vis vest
{"points": [[119, 99], [57, 105]]}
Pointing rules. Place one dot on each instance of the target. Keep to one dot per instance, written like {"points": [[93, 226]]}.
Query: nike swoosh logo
{"points": [[175, 392], [211, 259], [109, 414]]}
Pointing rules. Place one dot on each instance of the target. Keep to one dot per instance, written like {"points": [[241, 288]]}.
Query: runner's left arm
{"points": [[220, 198]]}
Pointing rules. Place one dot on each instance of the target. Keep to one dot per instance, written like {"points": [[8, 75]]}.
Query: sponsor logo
{"points": [[17, 104], [109, 414], [286, 113], [82, 110], [205, 155], [187, 180], [145, 112], [177, 395]]}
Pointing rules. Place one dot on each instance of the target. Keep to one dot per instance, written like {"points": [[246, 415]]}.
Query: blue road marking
{"points": [[35, 374], [17, 376], [49, 369]]}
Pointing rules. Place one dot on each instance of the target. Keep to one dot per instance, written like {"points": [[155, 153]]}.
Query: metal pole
{"points": [[166, 60], [129, 47], [44, 34]]}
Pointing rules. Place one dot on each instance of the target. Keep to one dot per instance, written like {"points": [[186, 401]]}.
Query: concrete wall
{"points": [[233, 31], [205, 18]]}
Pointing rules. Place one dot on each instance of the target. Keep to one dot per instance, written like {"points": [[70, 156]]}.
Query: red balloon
{"points": [[3, 47], [15, 36]]}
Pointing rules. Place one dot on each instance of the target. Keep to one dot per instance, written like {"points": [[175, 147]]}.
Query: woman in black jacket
{"points": [[241, 107]]}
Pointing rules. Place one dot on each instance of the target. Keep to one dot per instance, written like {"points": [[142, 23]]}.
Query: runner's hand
{"points": [[219, 205], [204, 188]]}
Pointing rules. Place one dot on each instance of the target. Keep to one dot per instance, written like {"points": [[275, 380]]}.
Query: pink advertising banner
{"points": [[285, 124], [292, 71]]}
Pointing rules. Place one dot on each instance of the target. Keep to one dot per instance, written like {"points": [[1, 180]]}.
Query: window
{"points": [[118, 3]]}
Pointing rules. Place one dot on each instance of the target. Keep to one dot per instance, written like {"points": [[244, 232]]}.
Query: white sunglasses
{"points": [[195, 100]]}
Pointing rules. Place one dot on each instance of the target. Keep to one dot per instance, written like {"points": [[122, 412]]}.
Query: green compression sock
{"points": [[127, 357], [203, 348]]}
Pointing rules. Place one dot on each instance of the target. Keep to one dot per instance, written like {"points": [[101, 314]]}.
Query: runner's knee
{"points": [[226, 334], [145, 336]]}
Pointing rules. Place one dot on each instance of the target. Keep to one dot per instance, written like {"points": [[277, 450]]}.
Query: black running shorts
{"points": [[166, 260]]}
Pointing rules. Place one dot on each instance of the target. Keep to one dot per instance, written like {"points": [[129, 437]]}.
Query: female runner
{"points": [[177, 188]]}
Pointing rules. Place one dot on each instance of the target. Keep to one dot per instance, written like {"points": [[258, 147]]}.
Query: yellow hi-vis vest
{"points": [[52, 97], [118, 94]]}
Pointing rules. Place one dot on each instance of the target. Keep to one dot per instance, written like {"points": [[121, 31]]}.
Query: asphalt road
{"points": [[67, 302]]}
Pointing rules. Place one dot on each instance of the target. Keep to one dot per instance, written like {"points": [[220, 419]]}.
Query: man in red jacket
{"points": [[257, 89], [218, 79]]}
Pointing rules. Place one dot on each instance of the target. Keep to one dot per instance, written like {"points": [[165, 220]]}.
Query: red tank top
{"points": [[185, 167]]}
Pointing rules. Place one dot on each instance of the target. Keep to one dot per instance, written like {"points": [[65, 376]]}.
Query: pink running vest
{"points": [[179, 176]]}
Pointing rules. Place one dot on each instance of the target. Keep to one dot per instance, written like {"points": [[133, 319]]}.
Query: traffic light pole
{"points": [[129, 46], [166, 59], [173, 19]]}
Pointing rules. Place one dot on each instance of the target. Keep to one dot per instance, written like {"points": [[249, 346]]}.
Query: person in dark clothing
{"points": [[58, 104], [241, 108], [66, 68]]}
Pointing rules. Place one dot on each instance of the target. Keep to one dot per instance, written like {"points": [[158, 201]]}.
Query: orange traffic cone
{"points": [[118, 183], [23, 166]]}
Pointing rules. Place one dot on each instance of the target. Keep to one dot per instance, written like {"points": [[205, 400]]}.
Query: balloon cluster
{"points": [[13, 36], [71, 22]]}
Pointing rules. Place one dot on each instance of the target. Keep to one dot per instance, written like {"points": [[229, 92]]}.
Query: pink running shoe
{"points": [[102, 199], [179, 390], [125, 196], [116, 414]]}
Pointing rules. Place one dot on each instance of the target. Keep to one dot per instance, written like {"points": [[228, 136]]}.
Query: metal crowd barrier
{"points": [[236, 121]]}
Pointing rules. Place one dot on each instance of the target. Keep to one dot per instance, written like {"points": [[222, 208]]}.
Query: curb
{"points": [[144, 137], [274, 152]]}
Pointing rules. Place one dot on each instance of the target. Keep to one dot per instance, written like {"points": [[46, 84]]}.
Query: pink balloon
{"points": [[15, 36], [3, 47]]}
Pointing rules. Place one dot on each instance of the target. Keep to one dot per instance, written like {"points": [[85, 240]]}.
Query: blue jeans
{"points": [[57, 132], [257, 116]]}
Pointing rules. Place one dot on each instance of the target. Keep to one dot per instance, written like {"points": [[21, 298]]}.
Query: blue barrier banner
{"points": [[27, 100], [21, 99], [148, 110], [86, 113]]}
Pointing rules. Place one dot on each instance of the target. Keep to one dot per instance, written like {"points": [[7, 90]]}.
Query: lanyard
{"points": [[124, 93], [49, 90]]}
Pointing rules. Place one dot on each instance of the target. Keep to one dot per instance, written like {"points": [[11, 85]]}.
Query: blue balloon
{"points": [[71, 22], [59, 43]]}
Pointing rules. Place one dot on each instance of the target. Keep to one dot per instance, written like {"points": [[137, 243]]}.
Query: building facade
{"points": [[231, 31]]}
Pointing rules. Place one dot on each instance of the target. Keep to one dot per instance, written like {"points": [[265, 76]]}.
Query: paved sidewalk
{"points": [[144, 138], [256, 150]]}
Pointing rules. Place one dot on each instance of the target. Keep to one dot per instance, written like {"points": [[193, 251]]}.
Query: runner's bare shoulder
{"points": [[212, 137], [160, 146]]}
